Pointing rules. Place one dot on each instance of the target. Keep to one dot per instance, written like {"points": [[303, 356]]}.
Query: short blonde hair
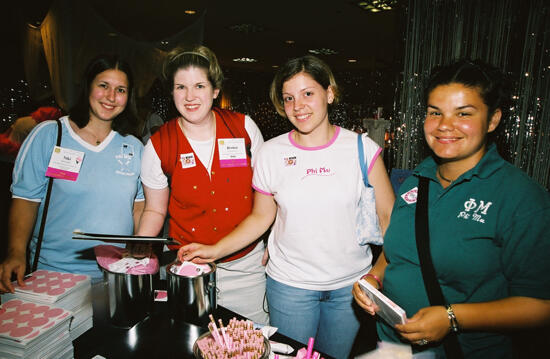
{"points": [[311, 65], [183, 57]]}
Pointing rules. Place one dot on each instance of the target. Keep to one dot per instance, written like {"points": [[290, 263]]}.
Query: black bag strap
{"points": [[433, 289], [45, 211]]}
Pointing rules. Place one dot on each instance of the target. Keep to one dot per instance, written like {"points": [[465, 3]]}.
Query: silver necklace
{"points": [[443, 177]]}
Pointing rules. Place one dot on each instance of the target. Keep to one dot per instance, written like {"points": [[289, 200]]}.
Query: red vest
{"points": [[204, 209]]}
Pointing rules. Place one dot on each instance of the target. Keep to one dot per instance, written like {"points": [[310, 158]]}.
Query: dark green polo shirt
{"points": [[489, 239]]}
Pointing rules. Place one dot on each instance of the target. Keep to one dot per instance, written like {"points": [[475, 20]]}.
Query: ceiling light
{"points": [[190, 12], [323, 51], [352, 60], [289, 41], [244, 59], [246, 28], [377, 5]]}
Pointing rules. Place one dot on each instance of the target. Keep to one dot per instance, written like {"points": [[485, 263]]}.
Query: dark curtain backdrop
{"points": [[72, 33]]}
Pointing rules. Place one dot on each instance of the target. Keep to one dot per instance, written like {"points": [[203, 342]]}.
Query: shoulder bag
{"points": [[368, 226]]}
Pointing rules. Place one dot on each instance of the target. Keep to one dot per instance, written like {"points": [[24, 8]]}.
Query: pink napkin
{"points": [[108, 256], [190, 269]]}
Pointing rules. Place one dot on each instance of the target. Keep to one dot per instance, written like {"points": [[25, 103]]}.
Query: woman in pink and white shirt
{"points": [[308, 183]]}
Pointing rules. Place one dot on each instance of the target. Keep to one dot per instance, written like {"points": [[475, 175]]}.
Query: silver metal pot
{"points": [[191, 299], [130, 297]]}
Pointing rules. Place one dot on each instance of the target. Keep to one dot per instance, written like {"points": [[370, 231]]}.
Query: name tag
{"points": [[187, 160], [232, 152], [411, 196], [65, 163]]}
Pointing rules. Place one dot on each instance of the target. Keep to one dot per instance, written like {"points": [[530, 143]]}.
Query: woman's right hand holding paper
{"points": [[377, 272], [363, 300]]}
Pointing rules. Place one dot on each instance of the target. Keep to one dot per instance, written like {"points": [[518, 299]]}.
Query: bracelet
{"points": [[452, 319], [375, 278]]}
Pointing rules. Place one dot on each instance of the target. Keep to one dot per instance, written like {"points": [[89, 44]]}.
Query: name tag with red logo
{"points": [[187, 160], [410, 196]]}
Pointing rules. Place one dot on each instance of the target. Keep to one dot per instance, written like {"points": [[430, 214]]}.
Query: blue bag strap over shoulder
{"points": [[362, 162]]}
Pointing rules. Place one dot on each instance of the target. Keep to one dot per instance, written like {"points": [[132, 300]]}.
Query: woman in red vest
{"points": [[197, 169]]}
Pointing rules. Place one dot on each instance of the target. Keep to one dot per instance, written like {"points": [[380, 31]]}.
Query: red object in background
{"points": [[46, 113], [7, 146], [10, 141]]}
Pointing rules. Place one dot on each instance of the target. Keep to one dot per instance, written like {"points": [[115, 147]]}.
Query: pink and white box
{"points": [[72, 292], [33, 330]]}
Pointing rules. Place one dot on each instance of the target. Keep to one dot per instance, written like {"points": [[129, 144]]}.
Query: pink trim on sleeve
{"points": [[374, 159], [261, 191]]}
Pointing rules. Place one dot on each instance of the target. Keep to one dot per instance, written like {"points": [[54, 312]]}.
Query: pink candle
{"points": [[309, 347]]}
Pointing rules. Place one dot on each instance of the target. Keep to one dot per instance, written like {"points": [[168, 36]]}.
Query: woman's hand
{"points": [[139, 250], [198, 253], [12, 264], [20, 225], [428, 325], [363, 300]]}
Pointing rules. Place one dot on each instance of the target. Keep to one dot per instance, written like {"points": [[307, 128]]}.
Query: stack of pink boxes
{"points": [[32, 330], [72, 292]]}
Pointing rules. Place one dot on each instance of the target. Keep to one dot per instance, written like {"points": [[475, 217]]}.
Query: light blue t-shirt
{"points": [[100, 200]]}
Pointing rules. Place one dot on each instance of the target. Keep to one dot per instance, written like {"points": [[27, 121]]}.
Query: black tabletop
{"points": [[156, 336]]}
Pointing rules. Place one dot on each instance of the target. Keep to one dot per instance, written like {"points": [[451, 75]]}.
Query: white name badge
{"points": [[232, 152], [65, 163], [187, 160]]}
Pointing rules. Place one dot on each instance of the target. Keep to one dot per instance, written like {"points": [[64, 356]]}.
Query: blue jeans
{"points": [[327, 316]]}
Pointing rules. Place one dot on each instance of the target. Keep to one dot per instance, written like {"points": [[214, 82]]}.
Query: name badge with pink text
{"points": [[65, 163], [232, 152]]}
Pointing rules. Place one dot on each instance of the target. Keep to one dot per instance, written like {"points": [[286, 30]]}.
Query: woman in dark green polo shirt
{"points": [[488, 228]]}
